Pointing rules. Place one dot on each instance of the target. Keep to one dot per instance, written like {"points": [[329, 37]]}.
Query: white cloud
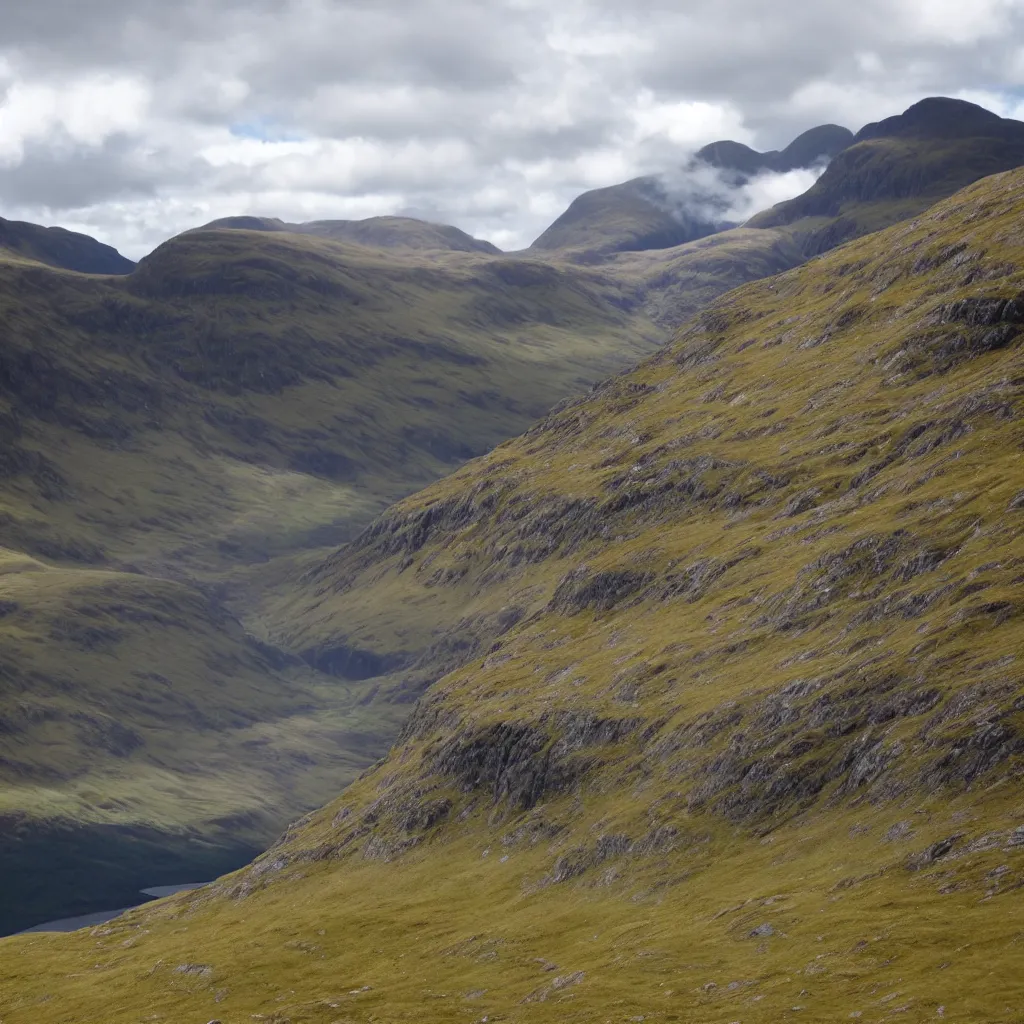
{"points": [[689, 124], [765, 190], [85, 112]]}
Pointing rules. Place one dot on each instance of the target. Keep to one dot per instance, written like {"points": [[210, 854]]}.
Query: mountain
{"points": [[808, 149], [58, 247], [268, 392], [170, 439], [239, 404], [380, 232], [897, 168], [746, 743], [647, 213]]}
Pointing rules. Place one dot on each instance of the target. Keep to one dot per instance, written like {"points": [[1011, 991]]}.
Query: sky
{"points": [[133, 120]]}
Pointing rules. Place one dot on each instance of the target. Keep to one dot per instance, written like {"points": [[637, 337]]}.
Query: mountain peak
{"points": [[901, 164], [937, 117], [808, 148], [639, 215]]}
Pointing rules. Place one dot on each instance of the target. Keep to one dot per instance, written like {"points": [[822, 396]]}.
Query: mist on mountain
{"points": [[722, 198]]}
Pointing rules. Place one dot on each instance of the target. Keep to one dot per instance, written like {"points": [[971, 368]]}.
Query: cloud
{"points": [[699, 192], [135, 119], [81, 114]]}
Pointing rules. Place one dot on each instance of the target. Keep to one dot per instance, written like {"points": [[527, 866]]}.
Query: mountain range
{"points": [[702, 694], [664, 211]]}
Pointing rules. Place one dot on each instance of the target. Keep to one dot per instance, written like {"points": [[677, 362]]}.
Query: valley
{"points": [[654, 609]]}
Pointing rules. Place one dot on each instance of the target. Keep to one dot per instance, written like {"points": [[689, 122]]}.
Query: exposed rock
{"points": [[600, 591]]}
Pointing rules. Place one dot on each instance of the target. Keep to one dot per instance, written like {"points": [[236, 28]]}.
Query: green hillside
{"points": [[144, 738], [240, 398], [245, 394], [737, 729]]}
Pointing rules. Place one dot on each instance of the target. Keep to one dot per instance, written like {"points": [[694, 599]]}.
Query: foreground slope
{"points": [[749, 745]]}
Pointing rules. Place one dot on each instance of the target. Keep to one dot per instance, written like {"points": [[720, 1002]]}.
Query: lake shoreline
{"points": [[55, 873], [70, 924]]}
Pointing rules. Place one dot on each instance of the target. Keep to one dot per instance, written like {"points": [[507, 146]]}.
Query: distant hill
{"points": [[641, 214], [806, 150], [59, 247], [381, 232]]}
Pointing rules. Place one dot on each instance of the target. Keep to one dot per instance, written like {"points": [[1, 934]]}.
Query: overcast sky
{"points": [[136, 119]]}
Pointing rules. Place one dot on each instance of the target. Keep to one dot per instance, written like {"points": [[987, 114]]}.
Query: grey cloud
{"points": [[108, 173], [516, 104], [85, 33], [118, 171]]}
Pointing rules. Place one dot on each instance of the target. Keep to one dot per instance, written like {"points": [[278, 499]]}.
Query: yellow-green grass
{"points": [[463, 929], [802, 710]]}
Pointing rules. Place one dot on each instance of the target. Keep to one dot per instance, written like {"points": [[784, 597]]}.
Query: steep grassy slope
{"points": [[58, 247], [749, 744]]}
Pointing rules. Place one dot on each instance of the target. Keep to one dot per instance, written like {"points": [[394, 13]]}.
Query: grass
{"points": [[752, 751], [369, 942], [175, 418]]}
